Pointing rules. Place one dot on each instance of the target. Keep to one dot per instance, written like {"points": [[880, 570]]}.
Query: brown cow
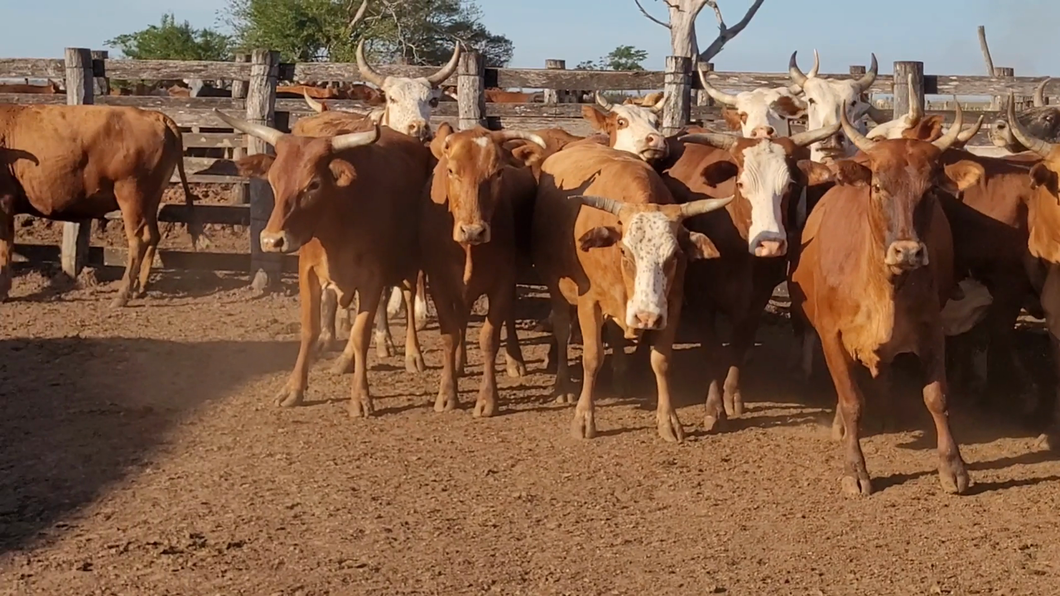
{"points": [[60, 162], [751, 235], [343, 203], [875, 268], [469, 249], [1044, 241], [51, 88], [607, 238], [495, 95], [318, 93]]}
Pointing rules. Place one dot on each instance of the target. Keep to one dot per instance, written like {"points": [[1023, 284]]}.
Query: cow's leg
{"points": [[564, 387], [413, 356], [619, 360], [7, 242], [451, 321], [1050, 300], [461, 351], [514, 363], [151, 237], [715, 353], [384, 341], [590, 320], [368, 304], [309, 290], [952, 472], [134, 225], [329, 304], [1003, 374], [421, 302], [500, 303], [394, 302], [744, 330], [666, 421], [856, 474]]}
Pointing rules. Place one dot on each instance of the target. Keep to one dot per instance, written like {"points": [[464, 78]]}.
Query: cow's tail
{"points": [[199, 240]]}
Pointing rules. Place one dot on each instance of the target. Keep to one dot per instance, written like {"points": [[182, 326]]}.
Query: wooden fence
{"points": [[256, 76]]}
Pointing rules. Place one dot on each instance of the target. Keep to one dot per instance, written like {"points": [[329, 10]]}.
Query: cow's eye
{"points": [[433, 102], [622, 122], [876, 188], [313, 186]]}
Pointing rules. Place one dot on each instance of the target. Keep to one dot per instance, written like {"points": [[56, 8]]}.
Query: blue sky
{"points": [[1022, 33]]}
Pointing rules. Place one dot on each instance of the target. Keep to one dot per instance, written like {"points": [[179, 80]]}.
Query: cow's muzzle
{"points": [[280, 242], [473, 233], [906, 255], [773, 247]]}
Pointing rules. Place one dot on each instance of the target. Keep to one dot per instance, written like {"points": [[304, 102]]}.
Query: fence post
{"points": [[79, 83], [261, 109], [239, 91], [101, 86], [999, 100], [678, 91], [554, 96], [471, 90], [902, 70]]}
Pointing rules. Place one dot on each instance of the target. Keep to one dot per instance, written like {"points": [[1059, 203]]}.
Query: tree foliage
{"points": [[626, 58], [408, 31], [172, 41]]}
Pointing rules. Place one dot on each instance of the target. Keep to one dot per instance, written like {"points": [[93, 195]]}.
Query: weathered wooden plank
{"points": [[209, 179], [347, 72], [155, 70], [79, 91], [299, 105], [18, 68], [232, 215], [199, 261], [470, 89], [212, 140], [541, 78], [32, 98], [149, 102]]}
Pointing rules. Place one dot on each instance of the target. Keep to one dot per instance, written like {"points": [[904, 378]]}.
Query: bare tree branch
{"points": [[726, 33], [649, 17], [986, 51]]}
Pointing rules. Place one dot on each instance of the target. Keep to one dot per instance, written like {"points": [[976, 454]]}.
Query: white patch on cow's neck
{"points": [[407, 103], [482, 141], [649, 237], [642, 122], [765, 178]]}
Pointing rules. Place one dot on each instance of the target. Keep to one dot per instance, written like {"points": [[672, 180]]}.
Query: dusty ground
{"points": [[140, 454]]}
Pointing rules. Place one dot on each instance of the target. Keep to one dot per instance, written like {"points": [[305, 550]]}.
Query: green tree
{"points": [[172, 41], [408, 31], [625, 58]]}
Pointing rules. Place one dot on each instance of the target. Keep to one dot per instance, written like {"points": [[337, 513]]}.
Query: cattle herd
{"points": [[890, 239]]}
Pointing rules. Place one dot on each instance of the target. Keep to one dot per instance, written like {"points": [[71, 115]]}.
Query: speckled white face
{"points": [[408, 105], [649, 240], [764, 179], [637, 130]]}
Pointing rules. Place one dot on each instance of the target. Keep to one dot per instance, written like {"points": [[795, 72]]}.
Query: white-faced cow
{"points": [[761, 113]]}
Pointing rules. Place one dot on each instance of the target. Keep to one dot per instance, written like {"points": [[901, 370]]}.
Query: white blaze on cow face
{"points": [[649, 247], [763, 181]]}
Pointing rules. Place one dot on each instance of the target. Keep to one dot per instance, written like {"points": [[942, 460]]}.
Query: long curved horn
{"points": [[967, 134], [317, 106], [719, 96], [355, 139], [658, 107], [714, 139], [703, 206], [947, 140], [860, 141], [816, 64], [1039, 93], [447, 71], [502, 136], [266, 133], [1022, 135], [916, 111], [797, 76], [602, 101], [869, 77], [602, 203], [809, 137], [876, 114], [367, 72]]}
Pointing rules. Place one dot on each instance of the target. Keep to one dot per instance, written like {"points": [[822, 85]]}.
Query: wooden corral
{"points": [[210, 145]]}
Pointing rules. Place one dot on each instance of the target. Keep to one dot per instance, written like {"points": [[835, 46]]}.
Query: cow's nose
{"points": [[906, 254], [771, 248], [272, 242], [654, 140], [649, 320], [763, 132], [475, 233], [420, 130]]}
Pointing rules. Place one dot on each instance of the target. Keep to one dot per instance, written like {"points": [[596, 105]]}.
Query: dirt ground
{"points": [[140, 453]]}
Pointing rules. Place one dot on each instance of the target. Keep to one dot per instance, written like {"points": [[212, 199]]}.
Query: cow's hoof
{"points": [[421, 322], [485, 407], [361, 407], [384, 349], [516, 369], [857, 486], [445, 403], [733, 404], [140, 294], [121, 301], [670, 427], [954, 476], [325, 344], [1050, 441], [566, 399], [290, 398], [342, 366], [584, 424], [414, 363]]}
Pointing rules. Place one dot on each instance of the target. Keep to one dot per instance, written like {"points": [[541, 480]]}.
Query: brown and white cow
{"points": [[343, 203], [608, 239], [1042, 121], [875, 268], [630, 128], [469, 249], [763, 112], [61, 163]]}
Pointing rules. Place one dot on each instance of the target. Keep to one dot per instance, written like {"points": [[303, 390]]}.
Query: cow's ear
{"points": [[789, 107], [850, 173], [438, 144], [698, 246], [255, 166], [343, 172], [599, 237], [732, 118], [815, 173], [720, 172], [596, 119], [959, 176], [527, 155], [1042, 176]]}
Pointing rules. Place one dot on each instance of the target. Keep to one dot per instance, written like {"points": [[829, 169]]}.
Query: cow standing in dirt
{"points": [[71, 163]]}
